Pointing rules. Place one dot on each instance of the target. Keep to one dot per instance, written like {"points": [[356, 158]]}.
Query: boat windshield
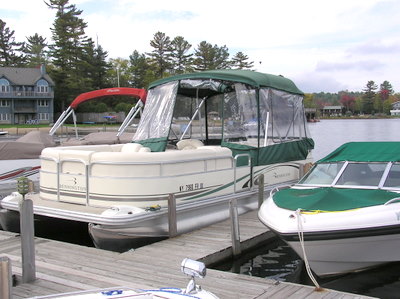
{"points": [[362, 174], [322, 174], [393, 177], [354, 174]]}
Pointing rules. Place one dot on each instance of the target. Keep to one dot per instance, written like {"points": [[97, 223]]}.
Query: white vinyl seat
{"points": [[187, 144]]}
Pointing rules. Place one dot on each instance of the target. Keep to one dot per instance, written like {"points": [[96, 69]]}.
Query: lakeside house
{"points": [[395, 108], [332, 111], [26, 96]]}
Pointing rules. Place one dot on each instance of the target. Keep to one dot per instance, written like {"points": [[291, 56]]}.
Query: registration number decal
{"points": [[190, 187]]}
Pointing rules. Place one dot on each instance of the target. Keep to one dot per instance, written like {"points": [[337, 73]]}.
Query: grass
{"points": [[3, 126]]}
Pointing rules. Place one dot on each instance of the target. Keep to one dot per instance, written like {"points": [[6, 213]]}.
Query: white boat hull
{"points": [[339, 256], [189, 217], [338, 242], [125, 227]]}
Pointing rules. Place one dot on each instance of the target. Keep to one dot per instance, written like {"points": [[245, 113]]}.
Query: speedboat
{"points": [[343, 215], [203, 140], [20, 157]]}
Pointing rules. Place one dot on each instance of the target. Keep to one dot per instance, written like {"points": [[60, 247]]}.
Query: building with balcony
{"points": [[26, 96]]}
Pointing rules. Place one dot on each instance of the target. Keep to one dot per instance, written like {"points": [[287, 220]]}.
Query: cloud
{"points": [[313, 82], [373, 47], [362, 65]]}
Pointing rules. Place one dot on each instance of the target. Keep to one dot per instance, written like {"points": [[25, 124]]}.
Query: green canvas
{"points": [[278, 153], [155, 144], [365, 151], [331, 199], [243, 76]]}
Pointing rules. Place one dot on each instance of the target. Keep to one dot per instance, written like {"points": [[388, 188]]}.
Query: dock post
{"points": [[235, 233], [5, 278], [260, 183], [172, 226], [27, 232]]}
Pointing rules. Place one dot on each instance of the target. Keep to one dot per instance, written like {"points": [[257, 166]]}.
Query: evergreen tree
{"points": [[368, 97], [208, 57], [160, 58], [181, 60], [139, 69], [94, 65], [35, 50], [240, 61], [67, 52], [385, 90], [11, 52], [101, 67]]}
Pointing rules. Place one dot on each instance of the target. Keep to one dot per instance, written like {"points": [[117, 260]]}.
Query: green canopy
{"points": [[244, 76], [365, 152], [331, 199]]}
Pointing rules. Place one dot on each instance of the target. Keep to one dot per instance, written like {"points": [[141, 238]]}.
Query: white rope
{"points": [[301, 239]]}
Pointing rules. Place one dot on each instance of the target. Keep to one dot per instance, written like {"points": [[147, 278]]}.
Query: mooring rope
{"points": [[301, 239]]}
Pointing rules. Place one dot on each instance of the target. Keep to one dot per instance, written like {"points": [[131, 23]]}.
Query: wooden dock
{"points": [[63, 267]]}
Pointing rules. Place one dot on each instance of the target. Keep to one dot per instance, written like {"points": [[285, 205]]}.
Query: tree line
{"points": [[78, 64], [372, 99]]}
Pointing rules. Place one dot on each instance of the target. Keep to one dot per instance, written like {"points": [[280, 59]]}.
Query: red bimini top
{"points": [[124, 91]]}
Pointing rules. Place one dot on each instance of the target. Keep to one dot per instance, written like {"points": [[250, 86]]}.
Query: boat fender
{"points": [[12, 196], [122, 211]]}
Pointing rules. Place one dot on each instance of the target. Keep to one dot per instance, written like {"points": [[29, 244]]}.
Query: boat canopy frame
{"points": [[252, 113], [91, 95]]}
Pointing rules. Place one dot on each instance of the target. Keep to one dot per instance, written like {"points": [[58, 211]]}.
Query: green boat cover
{"points": [[330, 199], [155, 144], [278, 153], [365, 152], [244, 76]]}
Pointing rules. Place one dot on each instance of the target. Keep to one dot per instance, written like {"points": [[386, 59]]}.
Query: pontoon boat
{"points": [[203, 139]]}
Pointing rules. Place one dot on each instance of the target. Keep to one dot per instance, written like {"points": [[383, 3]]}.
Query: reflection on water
{"points": [[274, 260]]}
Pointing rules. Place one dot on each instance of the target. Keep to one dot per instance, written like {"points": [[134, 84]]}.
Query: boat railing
{"points": [[88, 166], [163, 164], [59, 169]]}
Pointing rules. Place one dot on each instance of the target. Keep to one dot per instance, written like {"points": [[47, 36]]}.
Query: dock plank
{"points": [[63, 267]]}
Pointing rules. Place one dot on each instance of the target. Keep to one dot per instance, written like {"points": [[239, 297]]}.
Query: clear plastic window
{"points": [[362, 174], [188, 120], [240, 116], [156, 119], [393, 178], [282, 117], [322, 174]]}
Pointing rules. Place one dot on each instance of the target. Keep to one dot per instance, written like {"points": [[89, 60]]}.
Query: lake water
{"points": [[278, 261], [330, 134]]}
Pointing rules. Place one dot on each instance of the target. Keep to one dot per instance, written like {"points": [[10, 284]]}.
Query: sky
{"points": [[323, 46]]}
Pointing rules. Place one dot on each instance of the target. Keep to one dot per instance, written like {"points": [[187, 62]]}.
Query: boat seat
{"points": [[188, 144], [134, 148]]}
